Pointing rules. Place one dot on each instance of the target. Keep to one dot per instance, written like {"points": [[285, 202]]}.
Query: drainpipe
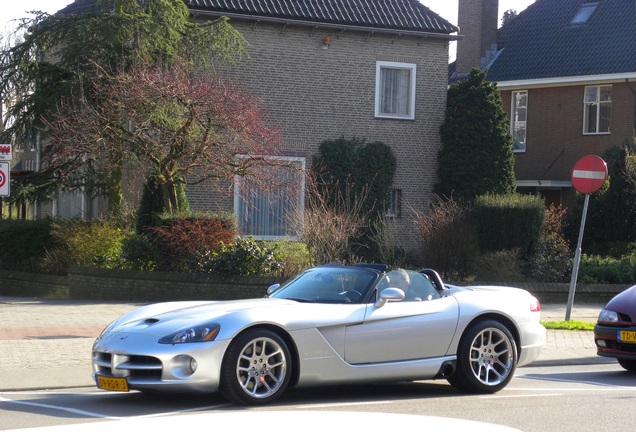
{"points": [[629, 85]]}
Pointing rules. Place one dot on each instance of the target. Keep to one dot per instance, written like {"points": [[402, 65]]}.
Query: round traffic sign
{"points": [[589, 174], [3, 178]]}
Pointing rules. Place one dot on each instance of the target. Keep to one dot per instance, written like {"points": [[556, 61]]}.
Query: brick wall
{"points": [[132, 286], [555, 140], [315, 94], [477, 20], [125, 285]]}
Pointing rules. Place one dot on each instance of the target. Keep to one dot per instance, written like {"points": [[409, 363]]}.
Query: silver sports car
{"points": [[328, 325]]}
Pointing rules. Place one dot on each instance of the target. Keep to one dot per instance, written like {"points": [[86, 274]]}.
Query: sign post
{"points": [[588, 176]]}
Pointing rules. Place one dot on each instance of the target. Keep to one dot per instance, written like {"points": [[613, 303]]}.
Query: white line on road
{"points": [[519, 396], [54, 407]]}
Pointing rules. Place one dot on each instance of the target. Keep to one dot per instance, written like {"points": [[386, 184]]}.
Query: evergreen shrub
{"points": [[24, 244], [607, 270], [507, 222]]}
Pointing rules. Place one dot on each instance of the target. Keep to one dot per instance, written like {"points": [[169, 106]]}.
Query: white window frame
{"points": [[240, 206], [412, 69], [518, 126], [596, 103], [394, 209]]}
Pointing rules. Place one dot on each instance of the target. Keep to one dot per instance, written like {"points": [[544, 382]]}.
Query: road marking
{"points": [[328, 405], [54, 407], [102, 416], [594, 383], [519, 396]]}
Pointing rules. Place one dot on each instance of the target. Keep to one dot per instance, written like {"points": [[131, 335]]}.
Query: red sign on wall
{"points": [[6, 152], [589, 174]]}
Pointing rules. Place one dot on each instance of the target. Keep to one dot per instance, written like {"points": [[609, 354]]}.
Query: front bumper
{"points": [[149, 365], [608, 343]]}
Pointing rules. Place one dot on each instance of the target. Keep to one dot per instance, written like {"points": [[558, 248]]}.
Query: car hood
{"points": [[163, 318], [624, 303]]}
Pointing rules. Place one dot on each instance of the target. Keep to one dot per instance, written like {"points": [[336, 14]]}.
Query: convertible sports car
{"points": [[328, 325], [615, 330]]}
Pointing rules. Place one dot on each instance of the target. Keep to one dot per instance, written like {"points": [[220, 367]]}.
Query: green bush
{"points": [[500, 266], [293, 256], [552, 258], [24, 244], [477, 155], [139, 252], [152, 207], [246, 257], [607, 270], [506, 222], [84, 243], [448, 241]]}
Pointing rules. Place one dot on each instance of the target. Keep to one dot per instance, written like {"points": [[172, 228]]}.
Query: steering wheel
{"points": [[351, 295]]}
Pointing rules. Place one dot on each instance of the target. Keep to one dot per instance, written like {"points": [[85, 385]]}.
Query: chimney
{"points": [[477, 21]]}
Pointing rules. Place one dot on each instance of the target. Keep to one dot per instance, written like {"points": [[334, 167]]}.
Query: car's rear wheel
{"points": [[629, 365], [256, 368], [486, 358]]}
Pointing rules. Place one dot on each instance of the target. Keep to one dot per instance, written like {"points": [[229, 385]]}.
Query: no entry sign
{"points": [[5, 179], [589, 174]]}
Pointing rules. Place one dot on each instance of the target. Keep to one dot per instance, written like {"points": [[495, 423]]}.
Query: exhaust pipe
{"points": [[447, 369]]}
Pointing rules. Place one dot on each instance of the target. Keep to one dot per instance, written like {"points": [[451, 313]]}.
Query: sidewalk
{"points": [[46, 344]]}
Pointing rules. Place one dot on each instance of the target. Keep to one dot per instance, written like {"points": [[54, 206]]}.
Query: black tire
{"points": [[486, 358], [256, 368], [628, 365]]}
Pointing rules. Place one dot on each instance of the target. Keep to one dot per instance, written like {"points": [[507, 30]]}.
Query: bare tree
{"points": [[185, 124]]}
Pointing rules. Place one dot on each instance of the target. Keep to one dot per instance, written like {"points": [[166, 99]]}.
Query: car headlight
{"points": [[201, 333], [608, 316]]}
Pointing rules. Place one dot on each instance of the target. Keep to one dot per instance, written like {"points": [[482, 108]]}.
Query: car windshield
{"points": [[328, 285]]}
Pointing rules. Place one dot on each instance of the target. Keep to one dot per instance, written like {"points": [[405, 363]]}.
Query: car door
{"points": [[403, 330]]}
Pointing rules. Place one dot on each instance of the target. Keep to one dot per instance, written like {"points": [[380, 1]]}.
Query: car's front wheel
{"points": [[486, 358], [256, 368], [628, 365]]}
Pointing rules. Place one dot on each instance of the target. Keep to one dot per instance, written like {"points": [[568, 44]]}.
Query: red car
{"points": [[615, 331]]}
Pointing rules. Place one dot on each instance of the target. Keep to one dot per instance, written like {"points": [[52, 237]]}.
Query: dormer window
{"points": [[584, 13]]}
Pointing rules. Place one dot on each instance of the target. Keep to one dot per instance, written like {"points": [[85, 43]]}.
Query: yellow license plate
{"points": [[114, 384], [627, 336]]}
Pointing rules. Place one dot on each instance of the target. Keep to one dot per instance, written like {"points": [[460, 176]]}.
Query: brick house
{"points": [[372, 69], [566, 71]]}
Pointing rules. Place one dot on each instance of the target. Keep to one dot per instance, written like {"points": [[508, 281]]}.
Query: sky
{"points": [[13, 9]]}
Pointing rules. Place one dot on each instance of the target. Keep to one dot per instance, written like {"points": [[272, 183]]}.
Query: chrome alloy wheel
{"points": [[492, 356], [261, 367]]}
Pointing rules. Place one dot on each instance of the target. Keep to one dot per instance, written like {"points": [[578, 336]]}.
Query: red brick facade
{"points": [[554, 134]]}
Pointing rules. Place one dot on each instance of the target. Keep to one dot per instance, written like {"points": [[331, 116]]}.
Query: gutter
{"points": [[568, 80], [332, 26], [629, 86]]}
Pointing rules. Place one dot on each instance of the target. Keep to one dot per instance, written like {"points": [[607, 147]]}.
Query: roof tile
{"points": [[541, 43], [399, 15]]}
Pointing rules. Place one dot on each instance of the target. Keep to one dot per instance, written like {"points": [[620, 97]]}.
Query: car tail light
{"points": [[535, 306]]}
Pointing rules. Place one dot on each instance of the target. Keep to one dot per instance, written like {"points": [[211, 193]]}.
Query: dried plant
{"points": [[330, 222]]}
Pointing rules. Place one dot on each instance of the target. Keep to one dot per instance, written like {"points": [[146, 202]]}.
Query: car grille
{"points": [[612, 344], [130, 366]]}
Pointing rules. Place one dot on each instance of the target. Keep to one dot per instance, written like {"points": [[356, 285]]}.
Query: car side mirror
{"points": [[273, 288], [389, 294]]}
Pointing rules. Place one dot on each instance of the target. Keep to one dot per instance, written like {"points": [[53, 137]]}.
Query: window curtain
{"points": [[394, 86]]}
